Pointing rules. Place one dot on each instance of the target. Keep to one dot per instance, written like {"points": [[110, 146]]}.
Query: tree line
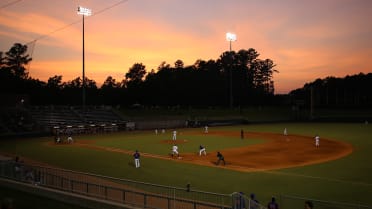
{"points": [[350, 91], [235, 78]]}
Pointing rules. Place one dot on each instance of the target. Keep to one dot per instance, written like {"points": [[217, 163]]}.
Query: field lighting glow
{"points": [[230, 36], [84, 11]]}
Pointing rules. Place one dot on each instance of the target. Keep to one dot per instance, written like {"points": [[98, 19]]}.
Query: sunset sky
{"points": [[305, 39]]}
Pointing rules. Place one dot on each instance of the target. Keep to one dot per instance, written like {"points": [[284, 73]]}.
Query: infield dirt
{"points": [[278, 151]]}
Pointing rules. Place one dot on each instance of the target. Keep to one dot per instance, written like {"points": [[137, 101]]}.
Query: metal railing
{"points": [[116, 190]]}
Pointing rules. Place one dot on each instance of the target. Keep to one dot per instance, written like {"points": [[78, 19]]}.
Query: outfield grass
{"points": [[343, 180]]}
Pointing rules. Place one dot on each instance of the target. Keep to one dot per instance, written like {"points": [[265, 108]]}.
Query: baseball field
{"points": [[264, 162]]}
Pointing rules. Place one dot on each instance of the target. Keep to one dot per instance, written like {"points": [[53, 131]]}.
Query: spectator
{"points": [[239, 201], [308, 204], [273, 204], [17, 168], [253, 202]]}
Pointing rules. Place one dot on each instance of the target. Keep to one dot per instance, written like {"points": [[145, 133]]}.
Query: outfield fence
{"points": [[295, 202], [126, 192]]}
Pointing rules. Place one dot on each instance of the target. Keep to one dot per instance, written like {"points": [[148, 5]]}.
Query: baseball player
{"points": [[175, 150], [156, 131], [174, 135], [206, 129], [69, 139], [285, 132], [202, 150], [317, 140], [220, 158], [136, 156]]}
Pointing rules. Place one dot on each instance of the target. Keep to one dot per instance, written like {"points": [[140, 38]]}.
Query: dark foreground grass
{"points": [[23, 200], [343, 180]]}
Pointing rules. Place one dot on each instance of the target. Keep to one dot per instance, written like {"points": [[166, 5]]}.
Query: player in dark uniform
{"points": [[220, 158], [136, 156]]}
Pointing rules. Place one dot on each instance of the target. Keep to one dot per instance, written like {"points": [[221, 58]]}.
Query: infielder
{"points": [[317, 140], [202, 150], [285, 132], [206, 129], [220, 158], [175, 150], [136, 156], [174, 135]]}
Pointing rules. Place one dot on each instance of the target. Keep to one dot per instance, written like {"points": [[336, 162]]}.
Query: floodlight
{"points": [[84, 11], [230, 36]]}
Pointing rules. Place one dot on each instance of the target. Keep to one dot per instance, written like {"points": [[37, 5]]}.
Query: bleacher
{"points": [[99, 115], [76, 119], [54, 116]]}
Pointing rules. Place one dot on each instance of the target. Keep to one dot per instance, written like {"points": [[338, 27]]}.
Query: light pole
{"points": [[85, 12], [231, 37]]}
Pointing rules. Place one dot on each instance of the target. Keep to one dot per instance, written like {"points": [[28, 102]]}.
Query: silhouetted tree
{"points": [[205, 83], [350, 91], [55, 82], [135, 74], [16, 59], [134, 79], [179, 64], [110, 83]]}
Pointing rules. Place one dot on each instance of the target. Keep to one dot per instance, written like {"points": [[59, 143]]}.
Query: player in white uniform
{"points": [[285, 133], [317, 140], [206, 129], [202, 150], [69, 139], [175, 150], [174, 135]]}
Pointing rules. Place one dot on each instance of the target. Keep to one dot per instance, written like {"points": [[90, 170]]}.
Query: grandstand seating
{"points": [[48, 118]]}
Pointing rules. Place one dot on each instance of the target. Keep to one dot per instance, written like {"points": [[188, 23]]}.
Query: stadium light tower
{"points": [[85, 12], [230, 37]]}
